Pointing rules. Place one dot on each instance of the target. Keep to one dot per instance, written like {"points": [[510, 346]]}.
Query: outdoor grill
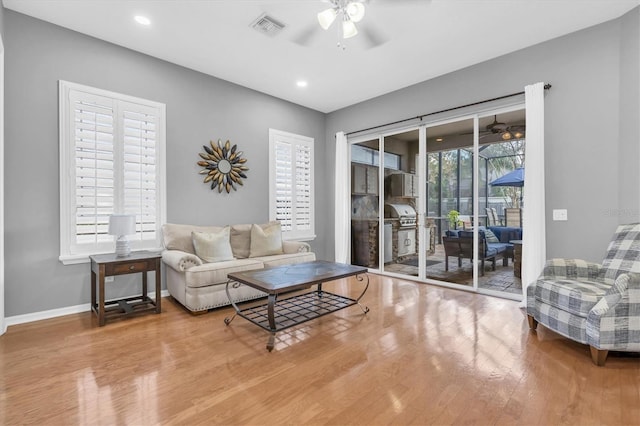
{"points": [[403, 212]]}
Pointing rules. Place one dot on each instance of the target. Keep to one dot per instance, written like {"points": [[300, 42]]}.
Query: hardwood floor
{"points": [[422, 355]]}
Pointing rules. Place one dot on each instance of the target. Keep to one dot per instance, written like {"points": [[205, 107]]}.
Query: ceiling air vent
{"points": [[267, 25]]}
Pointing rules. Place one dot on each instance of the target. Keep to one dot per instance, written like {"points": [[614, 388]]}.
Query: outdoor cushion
{"points": [[506, 233], [491, 237], [498, 247], [490, 252]]}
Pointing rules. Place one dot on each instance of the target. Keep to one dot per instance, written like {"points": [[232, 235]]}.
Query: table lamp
{"points": [[122, 225]]}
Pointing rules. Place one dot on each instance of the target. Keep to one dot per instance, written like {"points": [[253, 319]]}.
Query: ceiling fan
{"points": [[348, 13], [506, 131]]}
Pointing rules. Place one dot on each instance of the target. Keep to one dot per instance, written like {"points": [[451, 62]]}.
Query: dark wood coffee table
{"points": [[277, 315]]}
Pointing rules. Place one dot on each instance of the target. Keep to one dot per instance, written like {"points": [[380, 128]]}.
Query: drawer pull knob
{"points": [[132, 267]]}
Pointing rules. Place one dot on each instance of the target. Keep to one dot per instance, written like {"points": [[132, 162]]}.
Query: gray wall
{"points": [[1, 21], [591, 124], [629, 153], [199, 108]]}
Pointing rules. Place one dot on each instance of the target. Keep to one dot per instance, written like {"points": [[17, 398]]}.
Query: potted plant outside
{"points": [[453, 217]]}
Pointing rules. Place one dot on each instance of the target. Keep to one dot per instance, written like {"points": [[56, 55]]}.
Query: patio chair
{"points": [[512, 217], [461, 246], [492, 217], [597, 305], [466, 221]]}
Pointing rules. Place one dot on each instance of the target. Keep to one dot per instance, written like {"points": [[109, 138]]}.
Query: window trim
{"points": [[278, 135], [67, 173]]}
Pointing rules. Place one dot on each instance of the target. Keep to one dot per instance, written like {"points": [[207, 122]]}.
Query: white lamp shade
{"points": [[326, 18], [348, 29], [355, 10], [122, 224]]}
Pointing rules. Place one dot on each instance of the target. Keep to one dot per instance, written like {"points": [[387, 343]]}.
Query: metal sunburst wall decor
{"points": [[223, 166]]}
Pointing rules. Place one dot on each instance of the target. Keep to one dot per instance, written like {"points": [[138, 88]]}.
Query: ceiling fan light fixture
{"points": [[355, 10], [506, 136], [518, 135], [348, 29], [326, 17]]}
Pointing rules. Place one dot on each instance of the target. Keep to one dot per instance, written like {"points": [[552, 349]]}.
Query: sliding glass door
{"points": [[365, 211], [427, 202], [449, 204], [400, 202], [501, 182]]}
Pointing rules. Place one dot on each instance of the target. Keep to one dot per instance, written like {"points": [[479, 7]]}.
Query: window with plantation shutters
{"points": [[111, 161], [291, 184]]}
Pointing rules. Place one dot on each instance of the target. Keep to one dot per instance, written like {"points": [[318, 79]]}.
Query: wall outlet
{"points": [[108, 279], [560, 214]]}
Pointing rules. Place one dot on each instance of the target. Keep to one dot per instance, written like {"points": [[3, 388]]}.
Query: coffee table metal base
{"points": [[277, 315]]}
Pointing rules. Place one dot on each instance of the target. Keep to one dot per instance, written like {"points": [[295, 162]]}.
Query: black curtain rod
{"points": [[420, 117]]}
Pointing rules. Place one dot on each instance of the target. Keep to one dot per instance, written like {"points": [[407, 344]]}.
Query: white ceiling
{"points": [[422, 38]]}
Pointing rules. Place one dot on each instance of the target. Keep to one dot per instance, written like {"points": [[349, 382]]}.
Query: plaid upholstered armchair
{"points": [[597, 305]]}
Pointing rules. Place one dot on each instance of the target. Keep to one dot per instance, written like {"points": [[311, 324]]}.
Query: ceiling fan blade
{"points": [[374, 37], [482, 132], [306, 36]]}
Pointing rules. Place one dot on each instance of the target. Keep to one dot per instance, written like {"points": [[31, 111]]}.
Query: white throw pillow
{"points": [[213, 246], [266, 240]]}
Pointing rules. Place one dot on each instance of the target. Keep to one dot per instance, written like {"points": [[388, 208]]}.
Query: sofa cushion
{"points": [[178, 237], [212, 246], [286, 259], [216, 273], [266, 240], [240, 239]]}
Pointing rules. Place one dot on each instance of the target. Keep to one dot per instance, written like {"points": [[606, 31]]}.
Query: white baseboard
{"points": [[54, 313]]}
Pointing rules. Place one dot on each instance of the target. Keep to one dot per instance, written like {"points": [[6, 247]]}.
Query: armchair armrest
{"points": [[290, 247], [180, 260], [573, 269], [614, 321]]}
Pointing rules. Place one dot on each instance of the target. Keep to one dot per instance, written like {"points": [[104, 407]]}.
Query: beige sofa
{"points": [[198, 259]]}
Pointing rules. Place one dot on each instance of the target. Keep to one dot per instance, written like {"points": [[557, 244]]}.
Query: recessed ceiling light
{"points": [[439, 139], [301, 83], [142, 20]]}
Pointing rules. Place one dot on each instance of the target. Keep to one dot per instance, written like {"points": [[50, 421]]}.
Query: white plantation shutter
{"points": [[111, 151], [291, 184], [140, 185], [94, 162], [303, 182], [283, 185]]}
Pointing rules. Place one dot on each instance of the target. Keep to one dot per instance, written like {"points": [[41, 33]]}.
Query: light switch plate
{"points": [[560, 214]]}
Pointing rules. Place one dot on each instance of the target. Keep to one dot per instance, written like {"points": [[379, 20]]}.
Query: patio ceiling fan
{"points": [[506, 131], [348, 13]]}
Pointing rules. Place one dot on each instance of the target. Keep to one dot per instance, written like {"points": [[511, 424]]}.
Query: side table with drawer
{"points": [[106, 265]]}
